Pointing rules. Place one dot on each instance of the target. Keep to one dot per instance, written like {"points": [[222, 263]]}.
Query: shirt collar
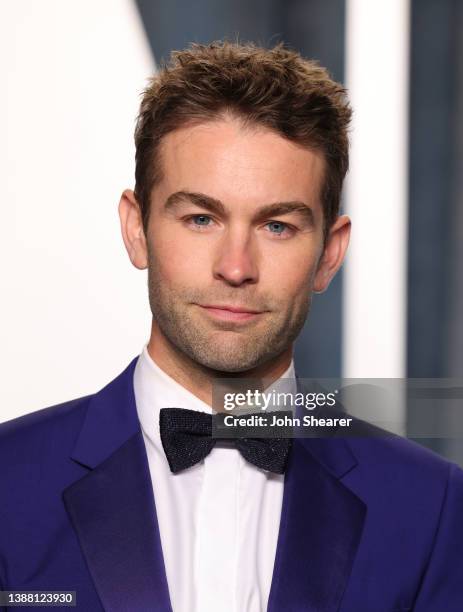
{"points": [[154, 389]]}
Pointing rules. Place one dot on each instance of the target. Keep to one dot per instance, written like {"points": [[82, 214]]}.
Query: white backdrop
{"points": [[375, 283], [73, 309]]}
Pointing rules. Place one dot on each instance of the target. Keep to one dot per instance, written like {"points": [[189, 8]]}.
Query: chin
{"points": [[230, 369], [230, 363]]}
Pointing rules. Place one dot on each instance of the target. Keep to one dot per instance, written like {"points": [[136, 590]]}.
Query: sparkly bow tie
{"points": [[186, 436]]}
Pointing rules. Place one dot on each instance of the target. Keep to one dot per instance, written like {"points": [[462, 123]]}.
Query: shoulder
{"points": [[26, 441], [396, 473], [378, 449], [386, 457], [40, 421]]}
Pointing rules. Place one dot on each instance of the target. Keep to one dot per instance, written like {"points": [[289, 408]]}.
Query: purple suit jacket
{"points": [[367, 525]]}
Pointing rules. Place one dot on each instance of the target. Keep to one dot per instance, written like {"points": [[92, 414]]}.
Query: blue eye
{"points": [[201, 220], [276, 227]]}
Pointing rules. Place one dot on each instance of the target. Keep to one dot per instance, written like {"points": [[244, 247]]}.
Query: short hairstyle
{"points": [[275, 88]]}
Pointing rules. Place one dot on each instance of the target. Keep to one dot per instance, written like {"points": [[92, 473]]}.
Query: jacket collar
{"points": [[112, 411]]}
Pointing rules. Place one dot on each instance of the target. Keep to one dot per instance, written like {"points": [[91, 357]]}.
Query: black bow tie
{"points": [[186, 436]]}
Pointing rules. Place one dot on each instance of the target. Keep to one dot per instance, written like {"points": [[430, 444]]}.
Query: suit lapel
{"points": [[112, 507], [320, 528]]}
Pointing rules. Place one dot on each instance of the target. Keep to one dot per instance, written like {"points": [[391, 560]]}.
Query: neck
{"points": [[198, 379]]}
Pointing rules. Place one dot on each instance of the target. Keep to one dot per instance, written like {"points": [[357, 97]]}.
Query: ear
{"points": [[333, 253], [132, 229]]}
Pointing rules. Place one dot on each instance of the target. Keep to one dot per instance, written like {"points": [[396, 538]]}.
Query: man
{"points": [[121, 496]]}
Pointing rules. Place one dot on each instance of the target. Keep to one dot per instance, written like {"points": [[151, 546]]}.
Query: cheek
{"points": [[179, 262], [290, 273]]}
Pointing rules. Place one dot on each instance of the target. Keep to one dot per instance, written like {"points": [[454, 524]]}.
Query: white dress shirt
{"points": [[219, 519]]}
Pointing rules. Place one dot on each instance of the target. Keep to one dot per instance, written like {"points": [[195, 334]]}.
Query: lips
{"points": [[226, 312], [230, 308]]}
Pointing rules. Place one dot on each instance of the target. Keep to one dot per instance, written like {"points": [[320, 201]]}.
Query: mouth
{"points": [[225, 312]]}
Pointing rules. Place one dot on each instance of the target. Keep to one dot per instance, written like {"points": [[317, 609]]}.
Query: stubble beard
{"points": [[222, 346]]}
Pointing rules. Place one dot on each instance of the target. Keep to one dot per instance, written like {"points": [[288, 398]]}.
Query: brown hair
{"points": [[275, 88]]}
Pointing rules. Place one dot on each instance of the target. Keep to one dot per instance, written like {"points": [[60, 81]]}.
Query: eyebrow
{"points": [[216, 206]]}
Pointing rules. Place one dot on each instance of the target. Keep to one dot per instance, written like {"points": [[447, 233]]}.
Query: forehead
{"points": [[243, 165]]}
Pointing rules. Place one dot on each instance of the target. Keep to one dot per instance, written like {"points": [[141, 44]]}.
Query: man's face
{"points": [[234, 240]]}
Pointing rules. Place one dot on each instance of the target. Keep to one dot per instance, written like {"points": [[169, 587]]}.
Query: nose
{"points": [[236, 259]]}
